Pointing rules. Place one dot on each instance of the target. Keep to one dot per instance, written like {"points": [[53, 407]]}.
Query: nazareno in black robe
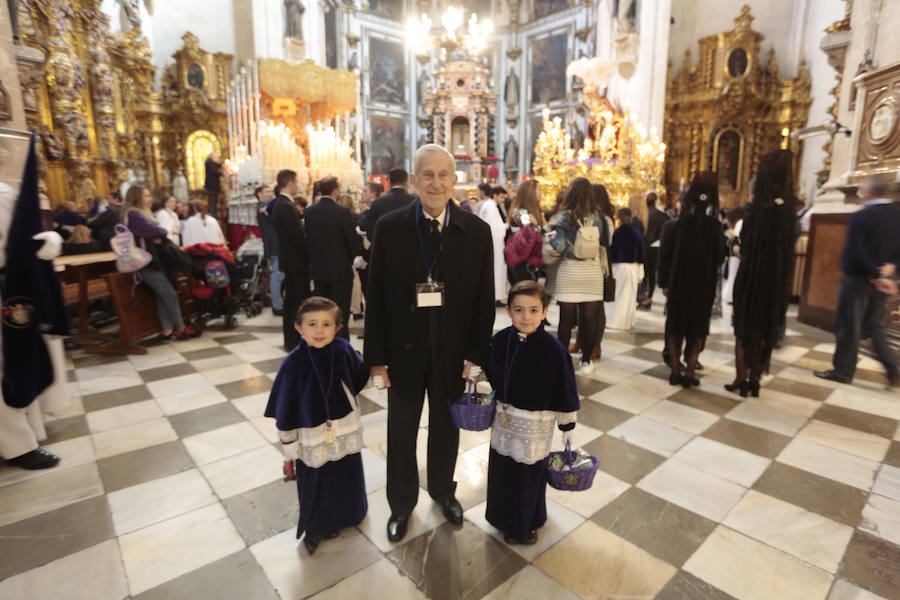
{"points": [[541, 378], [333, 496]]}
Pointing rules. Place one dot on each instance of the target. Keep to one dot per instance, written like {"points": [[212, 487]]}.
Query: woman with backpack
{"points": [[583, 265], [136, 216], [523, 248]]}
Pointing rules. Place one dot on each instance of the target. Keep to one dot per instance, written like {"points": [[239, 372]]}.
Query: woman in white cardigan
{"points": [[168, 219], [202, 228]]}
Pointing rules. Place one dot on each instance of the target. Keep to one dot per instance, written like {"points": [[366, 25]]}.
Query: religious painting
{"points": [[728, 159], [389, 9], [542, 8], [737, 62], [549, 57], [387, 148], [387, 72], [195, 77]]}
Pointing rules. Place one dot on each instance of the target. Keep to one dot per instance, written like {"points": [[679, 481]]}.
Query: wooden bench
{"points": [[135, 307]]}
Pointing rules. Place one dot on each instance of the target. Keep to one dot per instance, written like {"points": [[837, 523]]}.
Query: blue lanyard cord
{"points": [[437, 254], [325, 392]]}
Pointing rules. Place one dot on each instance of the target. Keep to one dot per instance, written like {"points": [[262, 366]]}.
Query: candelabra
{"points": [[451, 34]]}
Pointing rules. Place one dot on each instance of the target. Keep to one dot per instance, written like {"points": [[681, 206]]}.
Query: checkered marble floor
{"points": [[170, 487]]}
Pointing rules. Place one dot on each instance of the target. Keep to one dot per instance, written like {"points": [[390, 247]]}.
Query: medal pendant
{"points": [[329, 435], [504, 418]]}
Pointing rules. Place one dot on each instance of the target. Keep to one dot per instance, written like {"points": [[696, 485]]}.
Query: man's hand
{"points": [[380, 377], [887, 270], [470, 371]]}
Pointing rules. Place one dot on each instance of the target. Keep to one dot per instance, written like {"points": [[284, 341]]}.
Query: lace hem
{"points": [[525, 435], [315, 446]]}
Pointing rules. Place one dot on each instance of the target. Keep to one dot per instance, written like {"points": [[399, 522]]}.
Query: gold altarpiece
{"points": [[92, 101], [727, 111]]}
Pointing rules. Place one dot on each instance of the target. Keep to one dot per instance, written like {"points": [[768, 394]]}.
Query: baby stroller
{"points": [[214, 272], [251, 258]]}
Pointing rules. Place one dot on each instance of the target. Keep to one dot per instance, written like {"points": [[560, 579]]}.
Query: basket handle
{"points": [[568, 453]]}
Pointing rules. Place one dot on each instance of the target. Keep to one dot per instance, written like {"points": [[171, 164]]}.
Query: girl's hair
{"points": [[346, 200], [604, 204], [529, 288], [638, 206], [80, 235], [580, 201], [134, 199], [528, 198], [157, 206], [318, 303], [202, 207]]}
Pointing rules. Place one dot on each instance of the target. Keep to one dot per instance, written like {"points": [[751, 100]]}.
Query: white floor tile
{"points": [[245, 471], [123, 416], [728, 462], [651, 435], [190, 400], [154, 501], [49, 492], [830, 463], [625, 398], [693, 489], [683, 417], [161, 552], [94, 573], [133, 437], [223, 442]]}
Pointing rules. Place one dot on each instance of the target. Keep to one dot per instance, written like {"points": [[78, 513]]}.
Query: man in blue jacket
{"points": [[871, 253]]}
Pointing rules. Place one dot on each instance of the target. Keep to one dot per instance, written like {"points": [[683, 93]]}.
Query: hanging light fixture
{"points": [[454, 32]]}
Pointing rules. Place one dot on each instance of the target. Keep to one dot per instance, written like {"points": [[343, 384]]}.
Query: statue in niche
{"points": [[511, 155], [180, 187], [293, 18], [423, 88], [353, 63], [130, 14], [511, 89], [626, 41]]}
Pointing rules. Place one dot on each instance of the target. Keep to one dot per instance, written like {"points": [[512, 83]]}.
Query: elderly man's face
{"points": [[433, 180]]}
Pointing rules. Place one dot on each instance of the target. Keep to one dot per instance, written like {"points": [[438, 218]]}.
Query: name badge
{"points": [[429, 295]]}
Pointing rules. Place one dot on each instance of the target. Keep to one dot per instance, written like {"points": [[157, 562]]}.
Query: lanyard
{"points": [[510, 361], [325, 393], [429, 268]]}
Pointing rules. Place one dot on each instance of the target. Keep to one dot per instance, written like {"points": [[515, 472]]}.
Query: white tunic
{"points": [[526, 435], [490, 214], [198, 230], [168, 220]]}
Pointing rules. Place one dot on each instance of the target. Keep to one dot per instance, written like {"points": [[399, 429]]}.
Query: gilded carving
{"points": [[728, 110]]}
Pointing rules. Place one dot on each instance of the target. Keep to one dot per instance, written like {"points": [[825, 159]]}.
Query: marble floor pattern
{"points": [[170, 487]]}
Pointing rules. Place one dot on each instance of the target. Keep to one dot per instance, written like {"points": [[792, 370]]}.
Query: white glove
{"points": [[378, 380], [474, 372], [52, 246], [359, 263], [567, 438]]}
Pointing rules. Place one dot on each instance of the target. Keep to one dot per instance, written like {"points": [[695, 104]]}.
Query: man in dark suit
{"points": [[333, 244], [396, 197], [213, 182], [293, 252], [420, 338], [655, 220], [871, 252]]}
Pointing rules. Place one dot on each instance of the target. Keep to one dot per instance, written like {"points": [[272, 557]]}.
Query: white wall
{"points": [[695, 19], [212, 21], [822, 14]]}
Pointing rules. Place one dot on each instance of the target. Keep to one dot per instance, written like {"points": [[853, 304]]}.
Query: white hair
{"points": [[431, 149]]}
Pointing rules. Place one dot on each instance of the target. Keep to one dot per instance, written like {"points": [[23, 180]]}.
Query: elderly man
{"points": [[428, 325]]}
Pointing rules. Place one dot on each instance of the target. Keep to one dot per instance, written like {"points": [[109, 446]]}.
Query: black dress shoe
{"points": [[277, 313], [311, 541], [34, 460], [831, 376], [698, 366], [529, 541], [396, 528], [452, 510]]}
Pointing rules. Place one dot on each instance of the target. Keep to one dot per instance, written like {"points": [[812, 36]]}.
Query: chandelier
{"points": [[454, 32]]}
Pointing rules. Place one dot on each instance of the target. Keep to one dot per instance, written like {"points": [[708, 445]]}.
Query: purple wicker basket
{"points": [[573, 480], [470, 413]]}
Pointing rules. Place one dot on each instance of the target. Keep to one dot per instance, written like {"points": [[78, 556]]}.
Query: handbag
{"points": [[129, 256], [587, 241], [609, 282]]}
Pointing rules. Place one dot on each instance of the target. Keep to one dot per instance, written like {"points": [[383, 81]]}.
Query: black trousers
{"points": [[296, 290], [859, 316], [340, 292], [650, 270], [404, 413]]}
